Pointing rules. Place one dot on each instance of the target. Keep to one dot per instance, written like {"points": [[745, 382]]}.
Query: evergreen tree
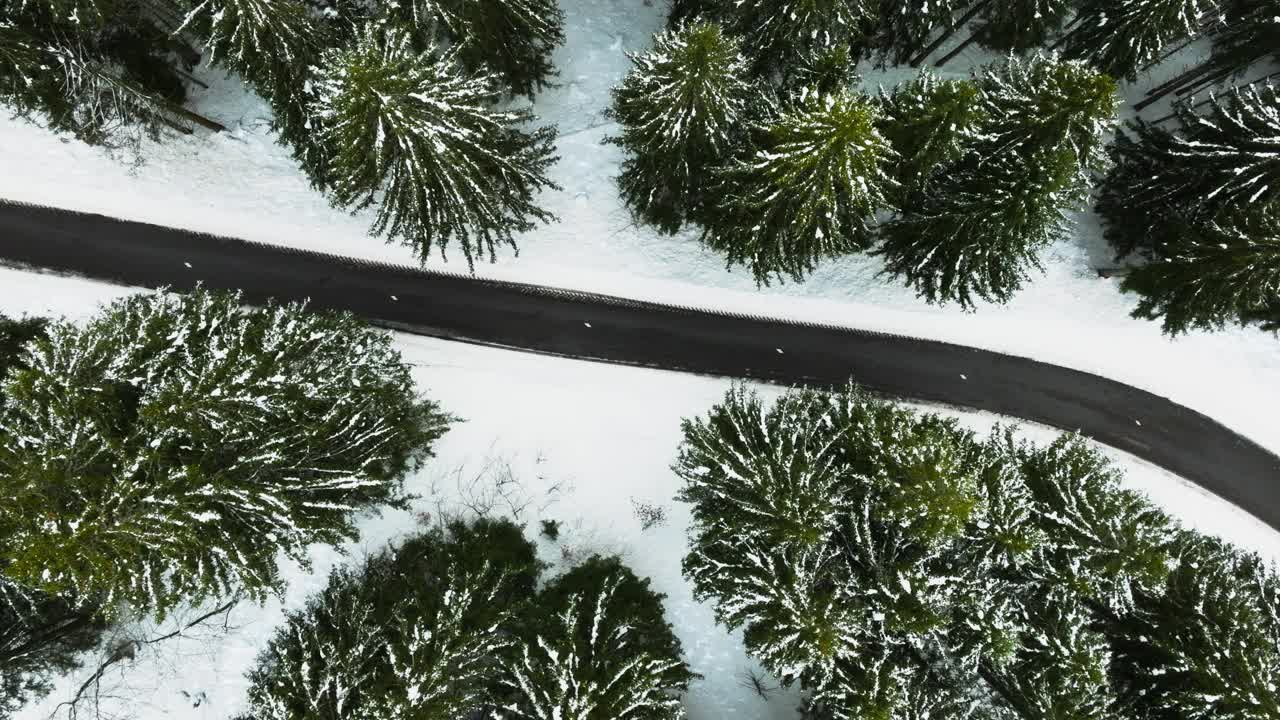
{"points": [[822, 72], [681, 109], [1040, 106], [817, 527], [171, 448], [602, 651], [1119, 39], [1206, 644], [512, 39], [409, 129], [271, 44], [1021, 25], [807, 191], [931, 124], [1226, 158], [781, 33], [1205, 276], [416, 631], [978, 231]]}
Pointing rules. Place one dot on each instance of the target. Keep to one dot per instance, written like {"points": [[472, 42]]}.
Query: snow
{"points": [[241, 183], [585, 440]]}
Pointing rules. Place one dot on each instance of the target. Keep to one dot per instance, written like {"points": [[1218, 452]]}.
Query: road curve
{"points": [[587, 326]]}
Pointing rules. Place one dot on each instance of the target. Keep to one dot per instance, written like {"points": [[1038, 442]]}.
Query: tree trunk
{"points": [[933, 46], [958, 49]]}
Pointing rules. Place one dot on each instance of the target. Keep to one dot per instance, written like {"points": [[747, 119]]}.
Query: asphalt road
{"points": [[616, 330]]}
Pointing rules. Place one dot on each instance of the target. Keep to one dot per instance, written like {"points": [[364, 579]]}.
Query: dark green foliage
{"points": [[897, 567], [102, 77], [682, 110], [415, 631], [408, 129], [14, 336], [512, 39], [448, 625], [1021, 25], [551, 529], [781, 33], [823, 72], [600, 650], [817, 524], [1119, 39], [1225, 158], [186, 443], [1041, 106], [931, 124], [1208, 275], [976, 233], [808, 190], [1206, 643], [41, 637]]}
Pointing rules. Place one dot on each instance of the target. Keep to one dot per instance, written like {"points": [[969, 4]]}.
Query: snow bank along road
{"points": [[596, 327]]}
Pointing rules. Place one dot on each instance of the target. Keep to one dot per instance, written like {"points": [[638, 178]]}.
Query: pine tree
{"points": [[823, 72], [1040, 106], [977, 232], [1205, 276], [681, 110], [409, 129], [41, 637], [1119, 39], [817, 527], [602, 651], [780, 33], [271, 44], [1107, 544], [1206, 644], [931, 124], [174, 446], [807, 191], [416, 631], [1226, 158], [512, 39], [1021, 25]]}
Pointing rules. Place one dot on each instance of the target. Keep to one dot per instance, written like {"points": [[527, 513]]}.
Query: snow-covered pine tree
{"points": [[1120, 39], [1206, 644], [931, 124], [98, 72], [977, 231], [1105, 544], [272, 44], [780, 33], [416, 631], [408, 129], [1060, 668], [600, 651], [808, 190], [1040, 105], [173, 447], [822, 72], [1227, 157], [512, 39], [681, 111], [14, 336], [41, 637], [1020, 25], [820, 527], [1208, 275]]}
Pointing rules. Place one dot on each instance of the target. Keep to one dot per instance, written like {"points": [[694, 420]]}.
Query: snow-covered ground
{"points": [[583, 441], [242, 183]]}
